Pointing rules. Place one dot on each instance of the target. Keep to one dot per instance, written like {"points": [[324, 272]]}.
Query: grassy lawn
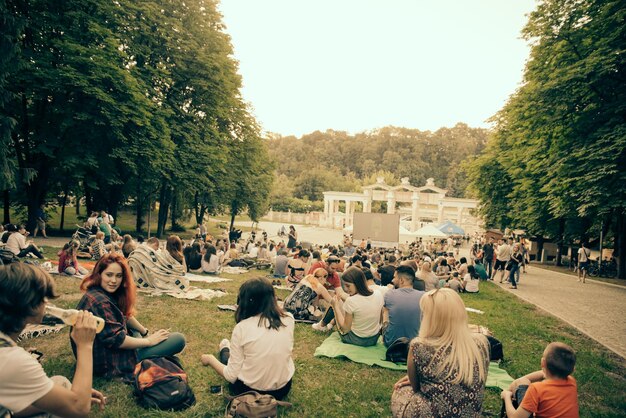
{"points": [[126, 222], [334, 387]]}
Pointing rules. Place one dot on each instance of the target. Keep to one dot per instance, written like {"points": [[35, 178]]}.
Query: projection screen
{"points": [[381, 227]]}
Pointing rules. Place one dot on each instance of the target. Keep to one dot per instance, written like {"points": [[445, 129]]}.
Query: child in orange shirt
{"points": [[552, 392]]}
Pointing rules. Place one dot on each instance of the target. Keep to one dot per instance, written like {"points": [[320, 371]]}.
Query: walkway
{"points": [[594, 308]]}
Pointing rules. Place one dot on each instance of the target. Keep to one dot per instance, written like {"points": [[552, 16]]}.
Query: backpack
{"points": [[161, 383], [398, 351], [7, 257], [496, 351], [253, 405]]}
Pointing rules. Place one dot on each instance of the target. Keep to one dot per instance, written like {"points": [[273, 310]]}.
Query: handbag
{"points": [[253, 405]]}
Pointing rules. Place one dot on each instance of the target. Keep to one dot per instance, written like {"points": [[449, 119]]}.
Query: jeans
{"points": [[514, 269], [488, 263], [30, 249], [174, 344], [352, 338]]}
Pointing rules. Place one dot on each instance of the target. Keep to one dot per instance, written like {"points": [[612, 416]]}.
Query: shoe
{"points": [[224, 344], [512, 287], [330, 327], [318, 327]]}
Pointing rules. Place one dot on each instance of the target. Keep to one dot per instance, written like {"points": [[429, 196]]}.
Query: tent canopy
{"points": [[430, 231], [450, 228]]}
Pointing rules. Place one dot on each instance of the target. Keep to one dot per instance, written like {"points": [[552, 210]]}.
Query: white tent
{"points": [[430, 231]]}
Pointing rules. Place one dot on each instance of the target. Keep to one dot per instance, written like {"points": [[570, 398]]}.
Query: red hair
{"points": [[126, 294]]}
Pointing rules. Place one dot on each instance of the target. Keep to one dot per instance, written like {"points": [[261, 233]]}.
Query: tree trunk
{"points": [[232, 220], [77, 205], [88, 202], [6, 207], [139, 209], [620, 245], [63, 203], [174, 210], [539, 247], [164, 204], [560, 246]]}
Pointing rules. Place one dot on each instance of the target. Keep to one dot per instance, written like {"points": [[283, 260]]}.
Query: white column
{"points": [[415, 214], [440, 216], [459, 216], [391, 202], [348, 212]]}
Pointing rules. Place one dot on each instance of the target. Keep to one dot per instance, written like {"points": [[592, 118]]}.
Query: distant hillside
{"points": [[334, 160]]}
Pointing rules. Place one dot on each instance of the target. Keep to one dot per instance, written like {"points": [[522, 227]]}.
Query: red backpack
{"points": [[161, 383]]}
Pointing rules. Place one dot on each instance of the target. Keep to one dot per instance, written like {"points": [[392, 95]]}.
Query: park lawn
{"points": [[126, 222], [334, 387]]}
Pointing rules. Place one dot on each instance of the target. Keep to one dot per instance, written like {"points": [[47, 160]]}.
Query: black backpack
{"points": [[7, 257], [161, 383], [398, 351]]}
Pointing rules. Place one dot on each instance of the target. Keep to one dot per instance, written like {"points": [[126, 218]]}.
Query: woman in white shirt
{"points": [[359, 317], [471, 280], [259, 355], [210, 262]]}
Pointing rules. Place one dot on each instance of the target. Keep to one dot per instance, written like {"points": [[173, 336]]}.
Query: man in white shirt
{"points": [[24, 387], [503, 255], [17, 244], [583, 262]]}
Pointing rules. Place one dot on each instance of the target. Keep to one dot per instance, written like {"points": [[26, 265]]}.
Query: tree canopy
{"points": [[556, 161], [124, 101]]}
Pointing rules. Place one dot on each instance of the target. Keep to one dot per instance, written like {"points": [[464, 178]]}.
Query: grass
{"points": [[335, 387], [126, 222]]}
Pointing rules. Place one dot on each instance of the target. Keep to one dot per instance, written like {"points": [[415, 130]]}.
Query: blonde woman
{"points": [[426, 274], [447, 364]]}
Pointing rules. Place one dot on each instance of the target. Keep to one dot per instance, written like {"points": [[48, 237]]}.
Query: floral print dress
{"points": [[438, 396]]}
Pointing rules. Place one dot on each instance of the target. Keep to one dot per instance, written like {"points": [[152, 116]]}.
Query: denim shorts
{"points": [[352, 338]]}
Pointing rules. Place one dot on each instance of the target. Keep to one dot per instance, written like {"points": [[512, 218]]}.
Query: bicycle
{"points": [[606, 268]]}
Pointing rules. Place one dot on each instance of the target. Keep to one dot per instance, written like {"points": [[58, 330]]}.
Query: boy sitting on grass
{"points": [[552, 390]]}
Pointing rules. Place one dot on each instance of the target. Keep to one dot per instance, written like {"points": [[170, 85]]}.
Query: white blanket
{"points": [[157, 270], [191, 293], [205, 279]]}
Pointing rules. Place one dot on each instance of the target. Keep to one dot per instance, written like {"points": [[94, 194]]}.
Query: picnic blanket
{"points": [[205, 279], [234, 270], [374, 355], [234, 308], [333, 347], [34, 331], [157, 270], [191, 293]]}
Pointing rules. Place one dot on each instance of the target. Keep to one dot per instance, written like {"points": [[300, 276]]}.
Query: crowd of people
{"points": [[363, 293]]}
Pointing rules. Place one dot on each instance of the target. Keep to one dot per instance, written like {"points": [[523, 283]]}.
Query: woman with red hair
{"points": [[110, 293]]}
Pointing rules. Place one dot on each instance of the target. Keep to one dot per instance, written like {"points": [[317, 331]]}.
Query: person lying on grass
{"points": [[110, 293], [447, 363], [25, 390], [359, 317], [259, 354], [551, 392]]}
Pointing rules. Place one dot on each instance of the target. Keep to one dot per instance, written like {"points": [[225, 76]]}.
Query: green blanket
{"points": [[375, 355]]}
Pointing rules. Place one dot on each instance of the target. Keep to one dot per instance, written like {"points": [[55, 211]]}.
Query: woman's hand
{"points": [[159, 336], [402, 382], [97, 398]]}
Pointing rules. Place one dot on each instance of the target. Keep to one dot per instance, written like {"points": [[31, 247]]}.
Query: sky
{"points": [[357, 65]]}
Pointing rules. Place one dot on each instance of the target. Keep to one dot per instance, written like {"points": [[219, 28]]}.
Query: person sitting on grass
{"points": [[68, 261], [303, 300], [447, 363], [471, 280], [110, 293], [128, 246], [359, 317], [297, 266], [25, 389], [426, 274], [401, 313], [17, 244], [552, 391], [259, 354], [210, 260], [193, 256], [98, 247], [174, 247]]}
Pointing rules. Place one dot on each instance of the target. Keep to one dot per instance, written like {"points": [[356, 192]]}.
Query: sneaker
{"points": [[318, 327], [224, 344]]}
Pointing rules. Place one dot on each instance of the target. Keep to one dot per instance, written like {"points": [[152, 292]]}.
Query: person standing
{"points": [[583, 261], [503, 255], [41, 222], [488, 256], [513, 264], [293, 237]]}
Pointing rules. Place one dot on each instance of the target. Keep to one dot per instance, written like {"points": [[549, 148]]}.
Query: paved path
{"points": [[594, 308]]}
